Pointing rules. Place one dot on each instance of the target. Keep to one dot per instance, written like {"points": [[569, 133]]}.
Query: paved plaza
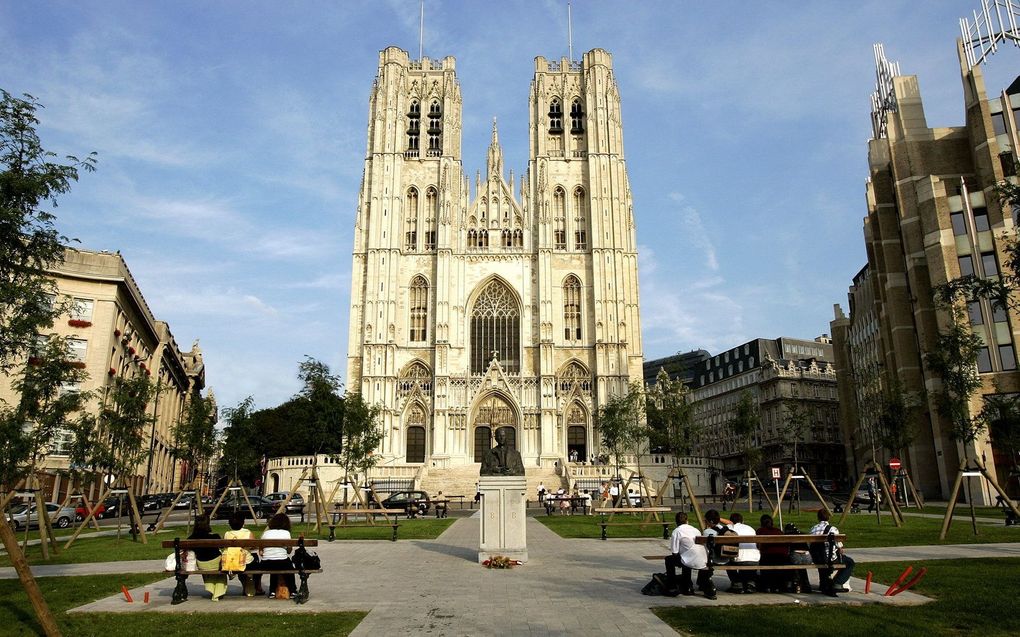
{"points": [[569, 586]]}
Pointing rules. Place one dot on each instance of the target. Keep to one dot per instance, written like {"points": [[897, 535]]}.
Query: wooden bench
{"points": [[339, 519], [181, 546], [647, 511], [711, 541]]}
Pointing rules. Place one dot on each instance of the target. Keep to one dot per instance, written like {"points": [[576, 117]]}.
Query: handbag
{"points": [[305, 561], [282, 592], [189, 562]]}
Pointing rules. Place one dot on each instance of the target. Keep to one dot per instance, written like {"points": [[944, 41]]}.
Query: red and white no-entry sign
{"points": [[895, 464]]}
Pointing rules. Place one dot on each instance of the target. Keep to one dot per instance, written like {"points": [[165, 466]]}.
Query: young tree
{"points": [[114, 436], [30, 178], [1002, 413], [618, 424], [895, 422], [361, 434], [745, 424], [954, 360], [670, 417], [194, 433]]}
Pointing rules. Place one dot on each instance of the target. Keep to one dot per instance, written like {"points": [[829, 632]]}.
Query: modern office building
{"points": [[679, 366], [933, 216], [509, 305], [113, 333]]}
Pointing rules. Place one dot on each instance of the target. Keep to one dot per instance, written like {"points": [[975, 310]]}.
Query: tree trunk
{"points": [[42, 610]]}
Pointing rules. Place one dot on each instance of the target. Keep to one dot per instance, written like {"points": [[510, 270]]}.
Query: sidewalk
{"points": [[568, 586]]}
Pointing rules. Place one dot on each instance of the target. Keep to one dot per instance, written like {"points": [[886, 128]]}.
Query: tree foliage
{"points": [[745, 424], [194, 433], [1001, 413], [30, 178], [895, 422], [361, 433], [618, 423], [954, 360], [796, 426], [670, 416], [317, 420], [111, 440]]}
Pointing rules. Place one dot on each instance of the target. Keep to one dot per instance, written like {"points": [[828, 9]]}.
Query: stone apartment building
{"points": [[512, 305], [785, 378], [933, 215], [114, 334]]}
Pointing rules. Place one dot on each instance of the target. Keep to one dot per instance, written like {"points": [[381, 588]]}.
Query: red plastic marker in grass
{"points": [[127, 594], [867, 583], [146, 597], [917, 578], [892, 589]]}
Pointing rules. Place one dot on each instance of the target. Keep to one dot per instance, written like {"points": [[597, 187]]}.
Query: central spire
{"points": [[495, 164]]}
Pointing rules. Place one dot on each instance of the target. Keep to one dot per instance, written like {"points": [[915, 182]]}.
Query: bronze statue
{"points": [[501, 460]]}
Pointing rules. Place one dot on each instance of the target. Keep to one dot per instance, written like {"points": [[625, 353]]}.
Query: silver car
{"points": [[26, 514]]}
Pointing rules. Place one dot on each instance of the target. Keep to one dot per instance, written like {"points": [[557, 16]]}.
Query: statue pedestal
{"points": [[503, 517]]}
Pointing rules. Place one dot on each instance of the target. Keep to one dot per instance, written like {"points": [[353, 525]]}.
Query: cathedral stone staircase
{"points": [[461, 481]]}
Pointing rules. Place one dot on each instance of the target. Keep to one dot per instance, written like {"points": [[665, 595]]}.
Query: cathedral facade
{"points": [[503, 306]]}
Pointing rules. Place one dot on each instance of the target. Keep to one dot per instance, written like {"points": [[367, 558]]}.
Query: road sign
{"points": [[775, 473], [895, 464]]}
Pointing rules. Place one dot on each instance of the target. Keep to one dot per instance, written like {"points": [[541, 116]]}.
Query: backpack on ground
{"points": [[658, 586]]}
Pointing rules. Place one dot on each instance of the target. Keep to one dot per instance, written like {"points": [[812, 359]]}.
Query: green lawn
{"points": [[110, 549], [863, 529], [973, 597], [63, 593]]}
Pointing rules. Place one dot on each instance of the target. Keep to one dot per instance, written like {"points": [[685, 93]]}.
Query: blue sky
{"points": [[231, 137]]}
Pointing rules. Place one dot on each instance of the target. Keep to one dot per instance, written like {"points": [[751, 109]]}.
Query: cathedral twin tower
{"points": [[508, 309]]}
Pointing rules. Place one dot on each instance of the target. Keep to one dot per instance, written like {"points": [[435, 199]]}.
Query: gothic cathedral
{"points": [[504, 307]]}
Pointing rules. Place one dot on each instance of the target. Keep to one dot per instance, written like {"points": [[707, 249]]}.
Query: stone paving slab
{"points": [[436, 587]]}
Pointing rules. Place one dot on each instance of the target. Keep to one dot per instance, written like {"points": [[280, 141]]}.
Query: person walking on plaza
{"points": [[832, 581], [541, 493]]}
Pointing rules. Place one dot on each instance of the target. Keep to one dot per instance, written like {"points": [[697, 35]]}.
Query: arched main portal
{"points": [[577, 433], [494, 414]]}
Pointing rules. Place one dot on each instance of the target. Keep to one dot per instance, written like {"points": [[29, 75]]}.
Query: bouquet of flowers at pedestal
{"points": [[499, 561]]}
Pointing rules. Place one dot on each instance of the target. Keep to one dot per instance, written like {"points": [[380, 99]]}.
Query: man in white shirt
{"points": [[680, 541], [747, 555]]}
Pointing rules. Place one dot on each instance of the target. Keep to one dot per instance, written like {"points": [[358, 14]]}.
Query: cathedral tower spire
{"points": [[495, 163]]}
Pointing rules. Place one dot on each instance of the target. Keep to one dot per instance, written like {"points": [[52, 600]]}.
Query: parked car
{"points": [[408, 500], [26, 514], [81, 511], [235, 502], [296, 504]]}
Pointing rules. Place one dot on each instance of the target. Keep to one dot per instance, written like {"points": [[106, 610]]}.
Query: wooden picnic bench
{"points": [[180, 547], [338, 518], [648, 512]]}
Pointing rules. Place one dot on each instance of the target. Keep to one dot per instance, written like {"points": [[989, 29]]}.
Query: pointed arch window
{"points": [[413, 129], [416, 379], [431, 215], [572, 308], [555, 116], [419, 309], [559, 219], [411, 221], [580, 220], [435, 129], [496, 327], [576, 117]]}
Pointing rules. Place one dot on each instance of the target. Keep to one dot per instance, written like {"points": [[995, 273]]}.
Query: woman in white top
{"points": [[277, 558]]}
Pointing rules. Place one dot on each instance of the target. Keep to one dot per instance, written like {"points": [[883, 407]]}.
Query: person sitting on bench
{"points": [[276, 558], [209, 558], [251, 584], [680, 542], [773, 555], [831, 581], [747, 555]]}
